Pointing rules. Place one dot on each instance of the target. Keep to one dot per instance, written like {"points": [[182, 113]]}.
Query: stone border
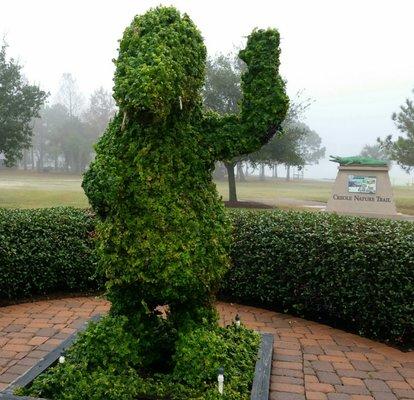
{"points": [[261, 382], [260, 387]]}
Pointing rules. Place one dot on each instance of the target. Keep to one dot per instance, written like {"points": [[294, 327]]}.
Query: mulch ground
{"points": [[311, 361]]}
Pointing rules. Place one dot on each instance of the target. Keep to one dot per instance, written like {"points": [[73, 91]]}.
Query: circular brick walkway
{"points": [[311, 361]]}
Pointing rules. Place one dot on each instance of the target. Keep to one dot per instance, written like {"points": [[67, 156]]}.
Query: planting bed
{"points": [[259, 391]]}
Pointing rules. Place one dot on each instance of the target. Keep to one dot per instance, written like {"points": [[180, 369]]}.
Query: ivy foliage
{"points": [[264, 103], [163, 234], [106, 363], [161, 59]]}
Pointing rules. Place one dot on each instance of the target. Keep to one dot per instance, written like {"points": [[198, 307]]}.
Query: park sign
{"points": [[362, 186]]}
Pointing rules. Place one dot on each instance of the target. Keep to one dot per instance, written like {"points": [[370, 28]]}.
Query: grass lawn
{"points": [[270, 190], [273, 191], [19, 189]]}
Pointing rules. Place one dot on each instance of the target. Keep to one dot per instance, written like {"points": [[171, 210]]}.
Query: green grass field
{"points": [[19, 189]]}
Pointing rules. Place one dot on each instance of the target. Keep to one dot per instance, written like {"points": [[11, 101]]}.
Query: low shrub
{"points": [[353, 272], [106, 362], [202, 352], [46, 251]]}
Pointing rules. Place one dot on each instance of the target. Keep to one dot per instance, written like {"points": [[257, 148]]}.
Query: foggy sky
{"points": [[354, 58]]}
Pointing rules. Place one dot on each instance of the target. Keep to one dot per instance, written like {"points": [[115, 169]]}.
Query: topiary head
{"points": [[160, 67]]}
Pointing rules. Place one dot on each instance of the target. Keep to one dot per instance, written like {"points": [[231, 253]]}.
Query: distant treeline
{"points": [[64, 134]]}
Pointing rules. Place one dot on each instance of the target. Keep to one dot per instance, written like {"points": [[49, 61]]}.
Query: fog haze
{"points": [[353, 58]]}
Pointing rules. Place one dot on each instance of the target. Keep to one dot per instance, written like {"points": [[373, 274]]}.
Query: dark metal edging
{"points": [[260, 387], [43, 364], [261, 382]]}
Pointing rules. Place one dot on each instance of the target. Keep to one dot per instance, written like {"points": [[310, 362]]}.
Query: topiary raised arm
{"points": [[264, 104]]}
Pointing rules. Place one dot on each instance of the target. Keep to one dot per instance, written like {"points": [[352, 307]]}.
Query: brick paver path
{"points": [[311, 361]]}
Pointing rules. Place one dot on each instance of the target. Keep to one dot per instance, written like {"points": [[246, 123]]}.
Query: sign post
{"points": [[362, 186]]}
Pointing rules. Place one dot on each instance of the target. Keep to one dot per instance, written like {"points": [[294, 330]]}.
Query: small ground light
{"points": [[237, 320], [61, 359], [220, 380]]}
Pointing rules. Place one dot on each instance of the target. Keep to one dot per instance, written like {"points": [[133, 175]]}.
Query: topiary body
{"points": [[163, 236]]}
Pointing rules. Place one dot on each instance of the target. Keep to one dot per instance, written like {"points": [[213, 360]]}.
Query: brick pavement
{"points": [[311, 361], [316, 362], [29, 331]]}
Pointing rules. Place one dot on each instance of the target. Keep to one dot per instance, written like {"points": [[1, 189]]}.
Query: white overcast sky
{"points": [[354, 58]]}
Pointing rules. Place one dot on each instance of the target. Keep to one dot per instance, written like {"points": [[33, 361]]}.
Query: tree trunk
{"points": [[40, 159], [25, 160], [246, 171], [288, 172], [33, 158], [77, 165], [41, 152], [274, 170], [232, 181], [240, 172], [56, 162], [262, 172], [66, 163]]}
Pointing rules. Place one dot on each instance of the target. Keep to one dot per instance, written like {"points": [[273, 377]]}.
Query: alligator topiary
{"points": [[357, 160], [163, 236]]}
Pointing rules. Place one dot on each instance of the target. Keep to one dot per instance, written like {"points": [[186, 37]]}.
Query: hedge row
{"points": [[356, 273], [46, 251]]}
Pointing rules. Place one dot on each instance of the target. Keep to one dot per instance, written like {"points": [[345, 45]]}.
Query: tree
{"points": [[67, 139], [69, 95], [99, 112], [374, 151], [63, 139], [311, 149], [295, 145], [76, 132], [39, 140], [76, 147], [222, 94], [95, 120], [53, 120], [222, 88], [401, 150], [282, 149], [20, 103]]}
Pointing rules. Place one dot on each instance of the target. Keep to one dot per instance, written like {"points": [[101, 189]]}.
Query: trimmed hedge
{"points": [[353, 272], [46, 251]]}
